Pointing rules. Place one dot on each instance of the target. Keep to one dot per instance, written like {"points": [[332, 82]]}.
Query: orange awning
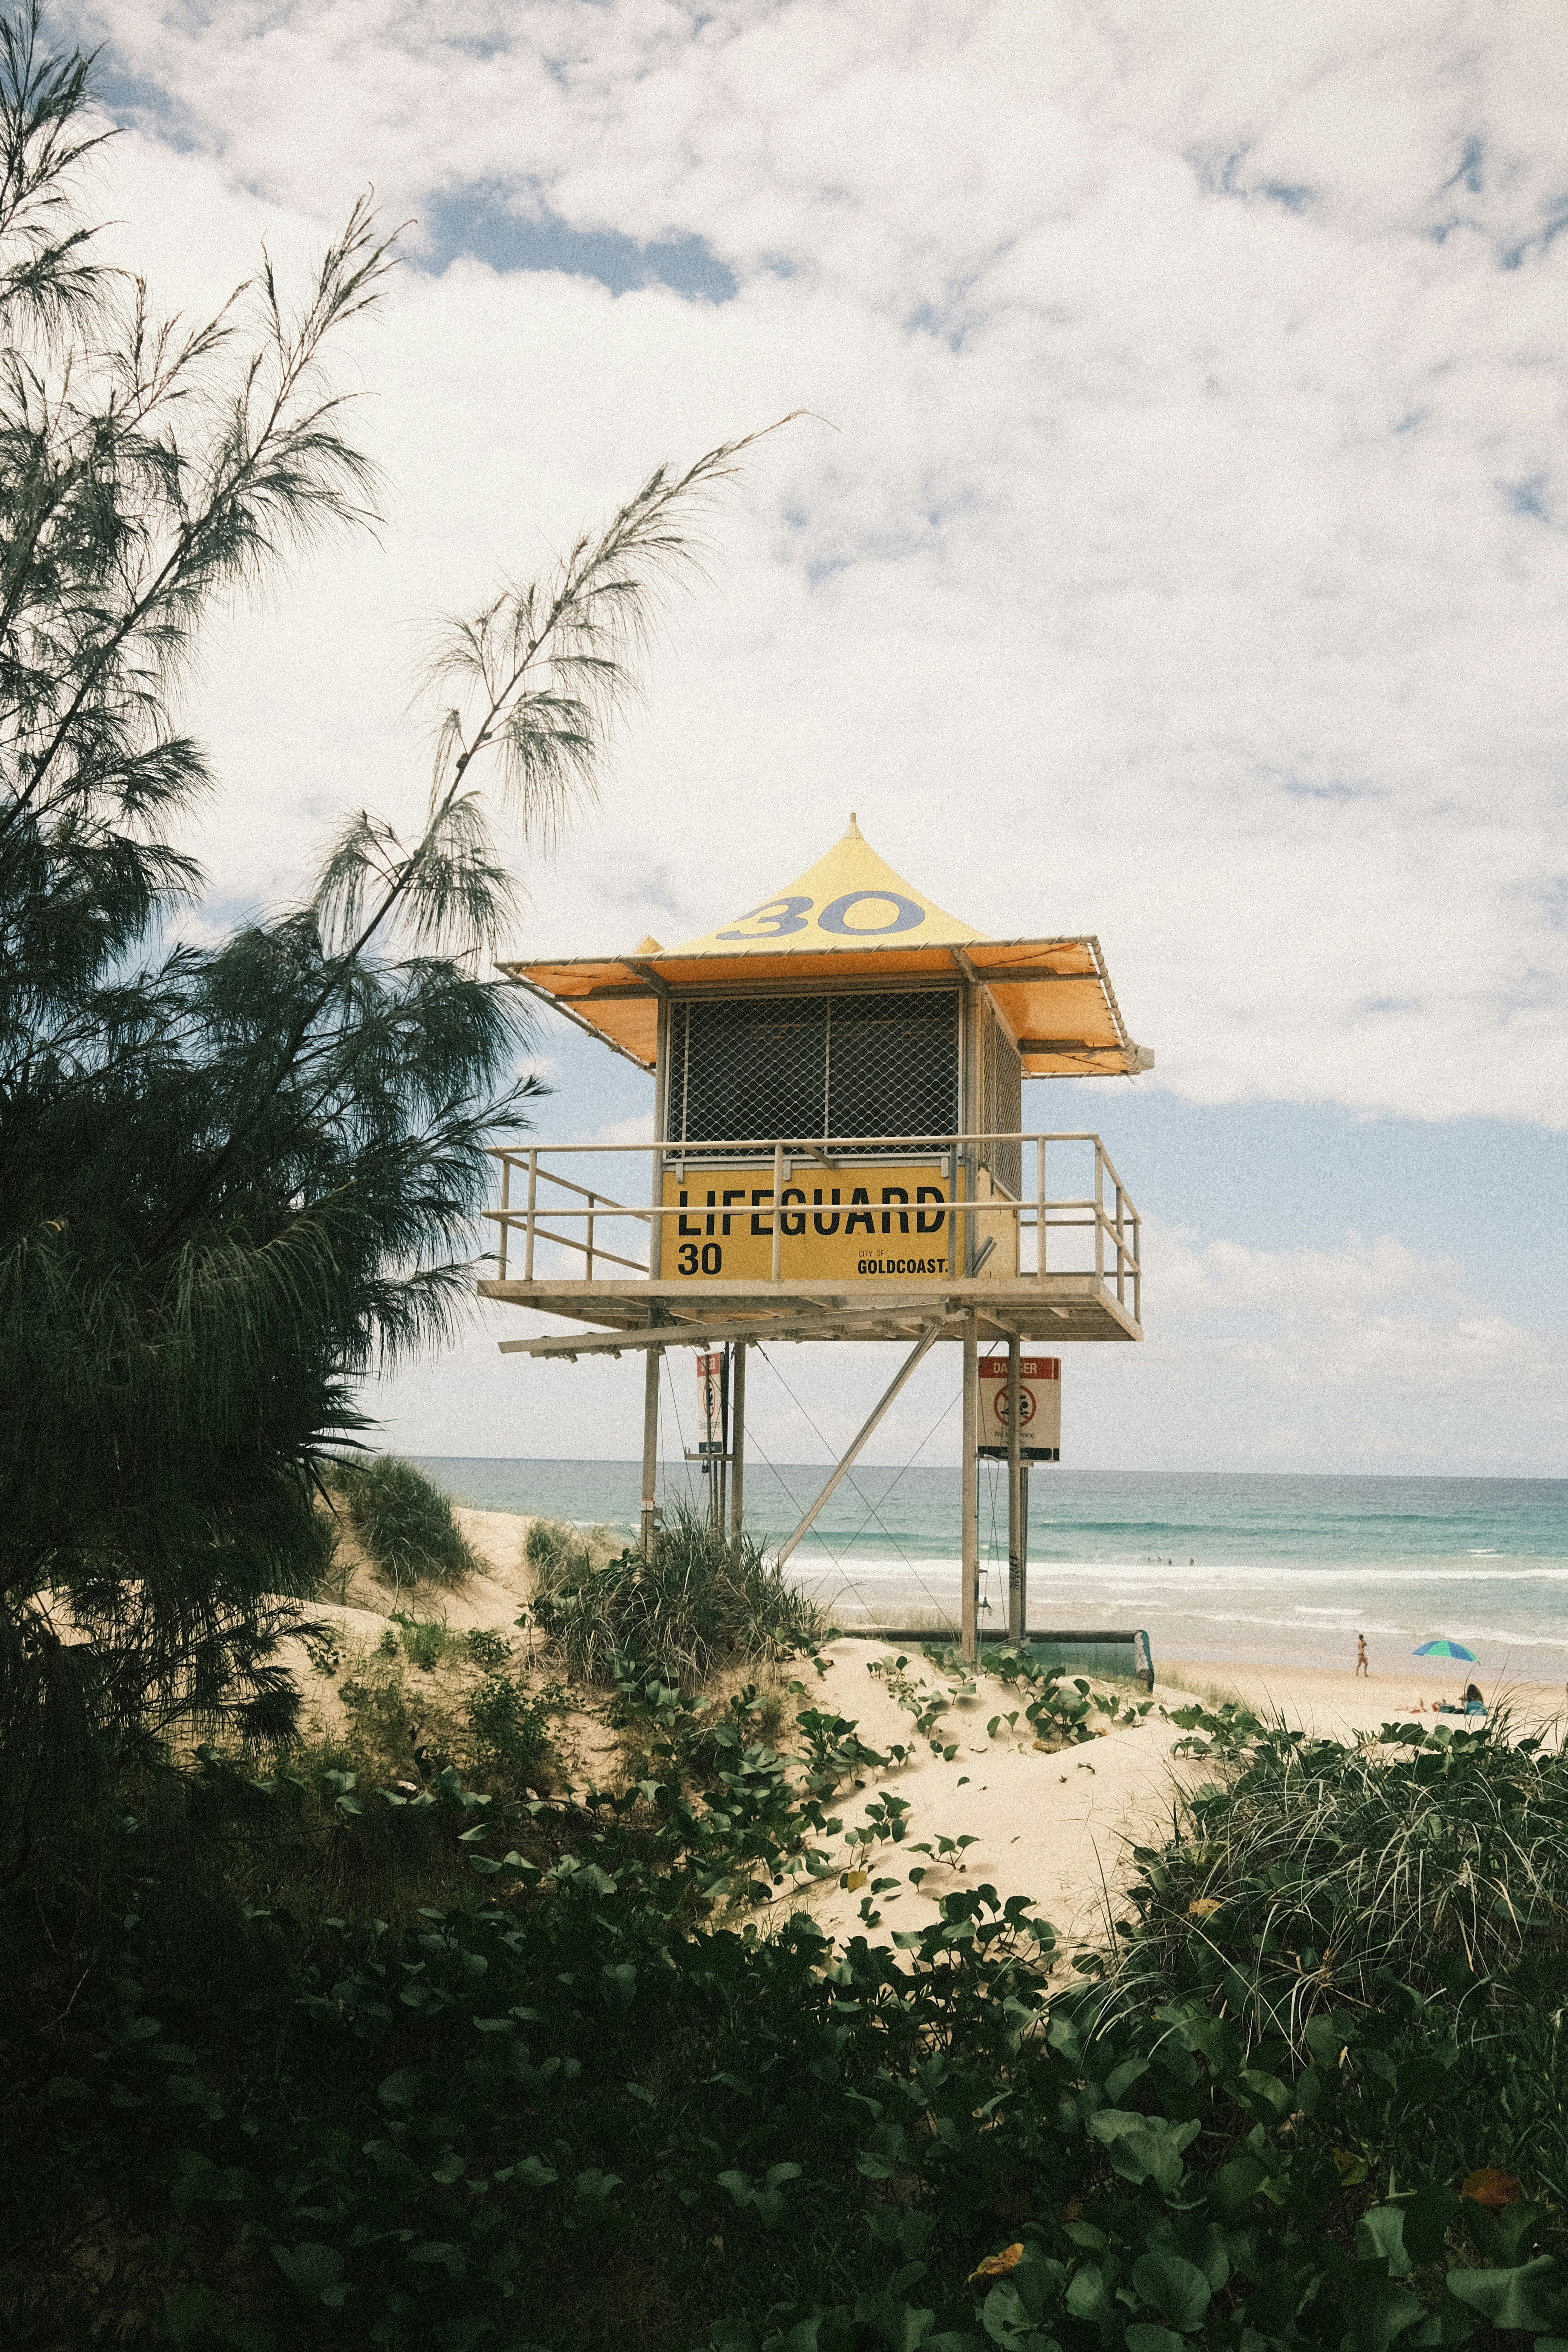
{"points": [[850, 917]]}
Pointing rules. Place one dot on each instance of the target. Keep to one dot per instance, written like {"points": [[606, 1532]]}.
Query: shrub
{"points": [[406, 1526], [487, 1649], [697, 1604], [507, 1728]]}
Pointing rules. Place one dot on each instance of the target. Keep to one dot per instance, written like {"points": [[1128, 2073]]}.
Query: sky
{"points": [[1175, 550]]}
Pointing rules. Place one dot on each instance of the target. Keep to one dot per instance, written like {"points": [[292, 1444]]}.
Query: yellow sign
{"points": [[844, 1225]]}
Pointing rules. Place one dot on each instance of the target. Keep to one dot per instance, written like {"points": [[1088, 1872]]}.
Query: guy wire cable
{"points": [[850, 1481]]}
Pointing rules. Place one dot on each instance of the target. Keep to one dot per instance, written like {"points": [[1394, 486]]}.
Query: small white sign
{"points": [[1039, 1405]]}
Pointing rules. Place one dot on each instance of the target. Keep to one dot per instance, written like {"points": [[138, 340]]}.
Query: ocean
{"points": [[1283, 1569]]}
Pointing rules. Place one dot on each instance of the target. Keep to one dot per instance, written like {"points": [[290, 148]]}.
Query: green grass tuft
{"points": [[406, 1524], [699, 1606]]}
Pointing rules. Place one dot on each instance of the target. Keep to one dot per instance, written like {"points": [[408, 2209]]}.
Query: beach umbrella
{"points": [[1445, 1648]]}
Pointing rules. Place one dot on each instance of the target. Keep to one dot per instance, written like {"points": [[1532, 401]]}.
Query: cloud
{"points": [[1177, 364], [1372, 1314]]}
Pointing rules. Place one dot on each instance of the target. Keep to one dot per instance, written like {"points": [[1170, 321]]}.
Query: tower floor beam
{"points": [[922, 1346]]}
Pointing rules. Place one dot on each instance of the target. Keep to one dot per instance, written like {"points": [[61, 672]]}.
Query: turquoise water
{"points": [[1289, 1570]]}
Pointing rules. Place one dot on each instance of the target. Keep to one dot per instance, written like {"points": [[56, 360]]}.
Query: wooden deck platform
{"points": [[1048, 1309]]}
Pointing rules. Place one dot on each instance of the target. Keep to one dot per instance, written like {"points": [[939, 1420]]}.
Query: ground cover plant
{"points": [[605, 2083]]}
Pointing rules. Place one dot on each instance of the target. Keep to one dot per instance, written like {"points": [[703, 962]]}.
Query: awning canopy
{"points": [[850, 917]]}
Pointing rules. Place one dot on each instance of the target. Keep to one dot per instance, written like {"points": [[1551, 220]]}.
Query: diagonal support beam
{"points": [[932, 1333]]}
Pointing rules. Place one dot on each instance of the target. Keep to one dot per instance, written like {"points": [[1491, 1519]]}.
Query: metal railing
{"points": [[1107, 1212]]}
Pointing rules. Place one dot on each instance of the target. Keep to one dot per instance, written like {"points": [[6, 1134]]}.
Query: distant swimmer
{"points": [[1362, 1665]]}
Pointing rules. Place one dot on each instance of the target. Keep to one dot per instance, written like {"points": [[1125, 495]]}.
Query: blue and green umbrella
{"points": [[1445, 1650]]}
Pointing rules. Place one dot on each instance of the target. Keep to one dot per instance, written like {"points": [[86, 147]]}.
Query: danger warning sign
{"points": [[1040, 1407]]}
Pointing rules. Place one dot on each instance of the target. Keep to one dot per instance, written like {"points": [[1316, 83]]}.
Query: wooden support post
{"points": [[971, 1604], [1024, 1559], [738, 1443], [650, 1449], [1014, 1493]]}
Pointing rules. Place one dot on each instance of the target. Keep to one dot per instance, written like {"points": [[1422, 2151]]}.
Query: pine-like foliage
{"points": [[233, 1178]]}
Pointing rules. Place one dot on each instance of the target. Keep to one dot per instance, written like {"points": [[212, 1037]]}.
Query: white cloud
{"points": [[1191, 563], [1373, 1313]]}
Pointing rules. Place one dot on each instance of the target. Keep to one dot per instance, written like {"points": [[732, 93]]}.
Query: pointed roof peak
{"points": [[849, 898]]}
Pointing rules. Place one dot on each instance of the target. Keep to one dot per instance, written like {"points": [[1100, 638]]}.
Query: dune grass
{"points": [[698, 1606], [405, 1524]]}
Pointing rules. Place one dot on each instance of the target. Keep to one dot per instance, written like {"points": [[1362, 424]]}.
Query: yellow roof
{"points": [[847, 898], [850, 917]]}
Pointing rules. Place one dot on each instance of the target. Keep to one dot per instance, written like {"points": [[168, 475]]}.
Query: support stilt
{"points": [[738, 1442], [1024, 1559], [650, 1449], [1014, 1493], [971, 1620], [932, 1333]]}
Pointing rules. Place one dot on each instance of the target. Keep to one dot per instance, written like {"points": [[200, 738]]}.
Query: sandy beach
{"points": [[1056, 1826]]}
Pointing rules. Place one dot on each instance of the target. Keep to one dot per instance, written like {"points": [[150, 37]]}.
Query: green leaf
{"points": [[1426, 2220], [1381, 2231], [534, 2173], [1143, 2148], [1176, 2288], [1376, 2310], [1527, 2298], [1089, 2297], [314, 2270], [188, 2311], [1143, 2337], [1236, 2182]]}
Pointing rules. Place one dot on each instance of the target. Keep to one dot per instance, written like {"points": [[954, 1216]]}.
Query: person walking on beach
{"points": [[1362, 1665]]}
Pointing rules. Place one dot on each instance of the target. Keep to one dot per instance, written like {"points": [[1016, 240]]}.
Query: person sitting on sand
{"points": [[1473, 1704], [1362, 1666]]}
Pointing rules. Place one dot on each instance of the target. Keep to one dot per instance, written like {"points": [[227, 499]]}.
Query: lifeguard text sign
{"points": [[847, 1225], [1039, 1406]]}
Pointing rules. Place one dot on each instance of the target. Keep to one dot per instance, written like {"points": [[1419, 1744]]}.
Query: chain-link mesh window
{"points": [[1002, 1095], [879, 1063]]}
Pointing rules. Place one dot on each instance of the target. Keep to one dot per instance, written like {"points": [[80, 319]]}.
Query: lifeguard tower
{"points": [[839, 1153]]}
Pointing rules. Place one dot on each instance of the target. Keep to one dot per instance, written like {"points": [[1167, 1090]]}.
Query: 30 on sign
{"points": [[1039, 1403]]}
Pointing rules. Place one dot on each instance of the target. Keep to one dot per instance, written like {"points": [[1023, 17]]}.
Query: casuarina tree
{"points": [[234, 1178]]}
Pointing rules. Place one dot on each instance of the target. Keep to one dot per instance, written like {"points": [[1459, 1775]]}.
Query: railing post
{"points": [[1138, 1270], [778, 1212], [1121, 1251], [588, 1274], [505, 1201], [1039, 1204], [1098, 1214], [532, 1198]]}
